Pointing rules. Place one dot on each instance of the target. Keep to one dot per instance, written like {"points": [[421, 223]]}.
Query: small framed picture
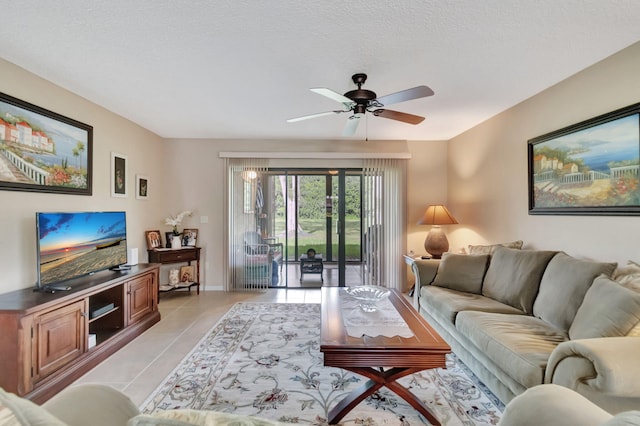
{"points": [[189, 237], [169, 237], [154, 239], [187, 274], [142, 187], [118, 175]]}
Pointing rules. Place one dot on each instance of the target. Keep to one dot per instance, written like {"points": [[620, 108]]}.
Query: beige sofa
{"points": [[99, 405], [521, 318]]}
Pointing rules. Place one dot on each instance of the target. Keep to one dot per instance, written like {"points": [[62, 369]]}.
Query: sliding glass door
{"points": [[318, 209], [354, 217]]}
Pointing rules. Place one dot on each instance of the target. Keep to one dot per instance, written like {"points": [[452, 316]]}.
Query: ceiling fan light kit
{"points": [[361, 101]]}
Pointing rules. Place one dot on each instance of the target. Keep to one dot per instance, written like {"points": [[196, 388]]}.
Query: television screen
{"points": [[76, 244]]}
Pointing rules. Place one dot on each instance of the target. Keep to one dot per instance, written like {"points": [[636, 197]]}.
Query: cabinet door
{"points": [[141, 296], [59, 337]]}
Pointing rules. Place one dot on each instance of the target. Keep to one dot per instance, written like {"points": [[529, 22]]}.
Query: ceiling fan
{"points": [[362, 100]]}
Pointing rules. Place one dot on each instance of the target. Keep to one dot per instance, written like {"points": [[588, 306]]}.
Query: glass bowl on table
{"points": [[368, 296]]}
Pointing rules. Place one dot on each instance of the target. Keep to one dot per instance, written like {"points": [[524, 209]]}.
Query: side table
{"points": [[181, 255], [311, 265]]}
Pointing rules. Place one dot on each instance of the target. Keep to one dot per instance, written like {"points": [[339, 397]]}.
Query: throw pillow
{"points": [[514, 275], [608, 310], [491, 248], [20, 411], [563, 286], [628, 276], [462, 272]]}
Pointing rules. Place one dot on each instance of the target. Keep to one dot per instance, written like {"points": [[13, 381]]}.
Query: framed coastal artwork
{"points": [[590, 168], [42, 151]]}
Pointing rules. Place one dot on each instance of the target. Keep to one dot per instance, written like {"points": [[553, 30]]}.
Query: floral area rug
{"points": [[263, 359]]}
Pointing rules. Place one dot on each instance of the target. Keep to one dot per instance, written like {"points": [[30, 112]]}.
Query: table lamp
{"points": [[436, 242]]}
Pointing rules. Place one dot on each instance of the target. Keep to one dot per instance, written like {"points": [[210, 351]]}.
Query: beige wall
{"points": [[111, 133], [481, 175], [199, 184], [487, 166]]}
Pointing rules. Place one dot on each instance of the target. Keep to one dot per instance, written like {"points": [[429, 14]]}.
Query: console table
{"points": [[181, 255]]}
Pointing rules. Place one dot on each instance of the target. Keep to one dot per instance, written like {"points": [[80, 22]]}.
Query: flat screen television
{"points": [[71, 245]]}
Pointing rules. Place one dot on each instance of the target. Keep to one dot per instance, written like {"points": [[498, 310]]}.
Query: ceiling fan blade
{"points": [[319, 114], [405, 95], [332, 95], [399, 116], [352, 125]]}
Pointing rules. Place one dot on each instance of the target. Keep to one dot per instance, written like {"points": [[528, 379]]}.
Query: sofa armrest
{"points": [[552, 405], [424, 272], [608, 365], [92, 404]]}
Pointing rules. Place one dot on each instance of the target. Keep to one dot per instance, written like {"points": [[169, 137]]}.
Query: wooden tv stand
{"points": [[45, 337]]}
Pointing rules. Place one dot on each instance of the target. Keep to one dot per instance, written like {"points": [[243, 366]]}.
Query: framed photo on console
{"points": [[154, 239], [189, 237], [187, 274]]}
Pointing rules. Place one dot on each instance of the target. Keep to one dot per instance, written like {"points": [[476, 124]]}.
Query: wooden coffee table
{"points": [[367, 356]]}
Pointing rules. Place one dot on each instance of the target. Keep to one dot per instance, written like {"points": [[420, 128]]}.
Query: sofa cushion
{"points": [[462, 272], [449, 302], [608, 310], [20, 411], [563, 286], [519, 344], [514, 275], [491, 248]]}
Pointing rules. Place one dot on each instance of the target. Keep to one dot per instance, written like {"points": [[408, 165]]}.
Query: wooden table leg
{"points": [[378, 379]]}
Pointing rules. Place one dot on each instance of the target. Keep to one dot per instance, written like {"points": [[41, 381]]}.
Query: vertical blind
{"points": [[383, 204], [249, 266], [384, 221]]}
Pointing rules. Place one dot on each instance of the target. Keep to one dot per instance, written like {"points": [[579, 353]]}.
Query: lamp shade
{"points": [[437, 214], [436, 242]]}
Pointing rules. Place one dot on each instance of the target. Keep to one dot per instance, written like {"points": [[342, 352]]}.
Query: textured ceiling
{"points": [[240, 68]]}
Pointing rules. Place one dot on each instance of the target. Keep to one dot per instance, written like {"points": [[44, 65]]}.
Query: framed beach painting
{"points": [[42, 151], [590, 168]]}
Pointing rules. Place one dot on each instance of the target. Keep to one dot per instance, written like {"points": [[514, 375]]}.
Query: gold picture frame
{"points": [[187, 274]]}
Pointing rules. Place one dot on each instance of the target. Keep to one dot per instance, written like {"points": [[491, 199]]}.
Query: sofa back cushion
{"points": [[514, 275], [563, 286], [491, 248], [608, 310], [462, 272]]}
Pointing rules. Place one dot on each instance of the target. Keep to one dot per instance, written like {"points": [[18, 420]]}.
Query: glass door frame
{"points": [[330, 217]]}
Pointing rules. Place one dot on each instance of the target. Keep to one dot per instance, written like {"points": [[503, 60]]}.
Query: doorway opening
{"points": [[318, 210]]}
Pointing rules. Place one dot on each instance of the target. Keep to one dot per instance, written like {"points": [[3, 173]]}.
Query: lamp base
{"points": [[436, 242]]}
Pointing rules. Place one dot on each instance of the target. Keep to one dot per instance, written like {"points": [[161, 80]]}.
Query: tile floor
{"points": [[139, 367]]}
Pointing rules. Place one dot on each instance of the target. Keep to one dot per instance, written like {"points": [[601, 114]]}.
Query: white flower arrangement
{"points": [[177, 220]]}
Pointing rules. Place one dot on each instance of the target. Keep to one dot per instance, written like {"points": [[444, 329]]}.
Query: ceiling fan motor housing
{"points": [[360, 96]]}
